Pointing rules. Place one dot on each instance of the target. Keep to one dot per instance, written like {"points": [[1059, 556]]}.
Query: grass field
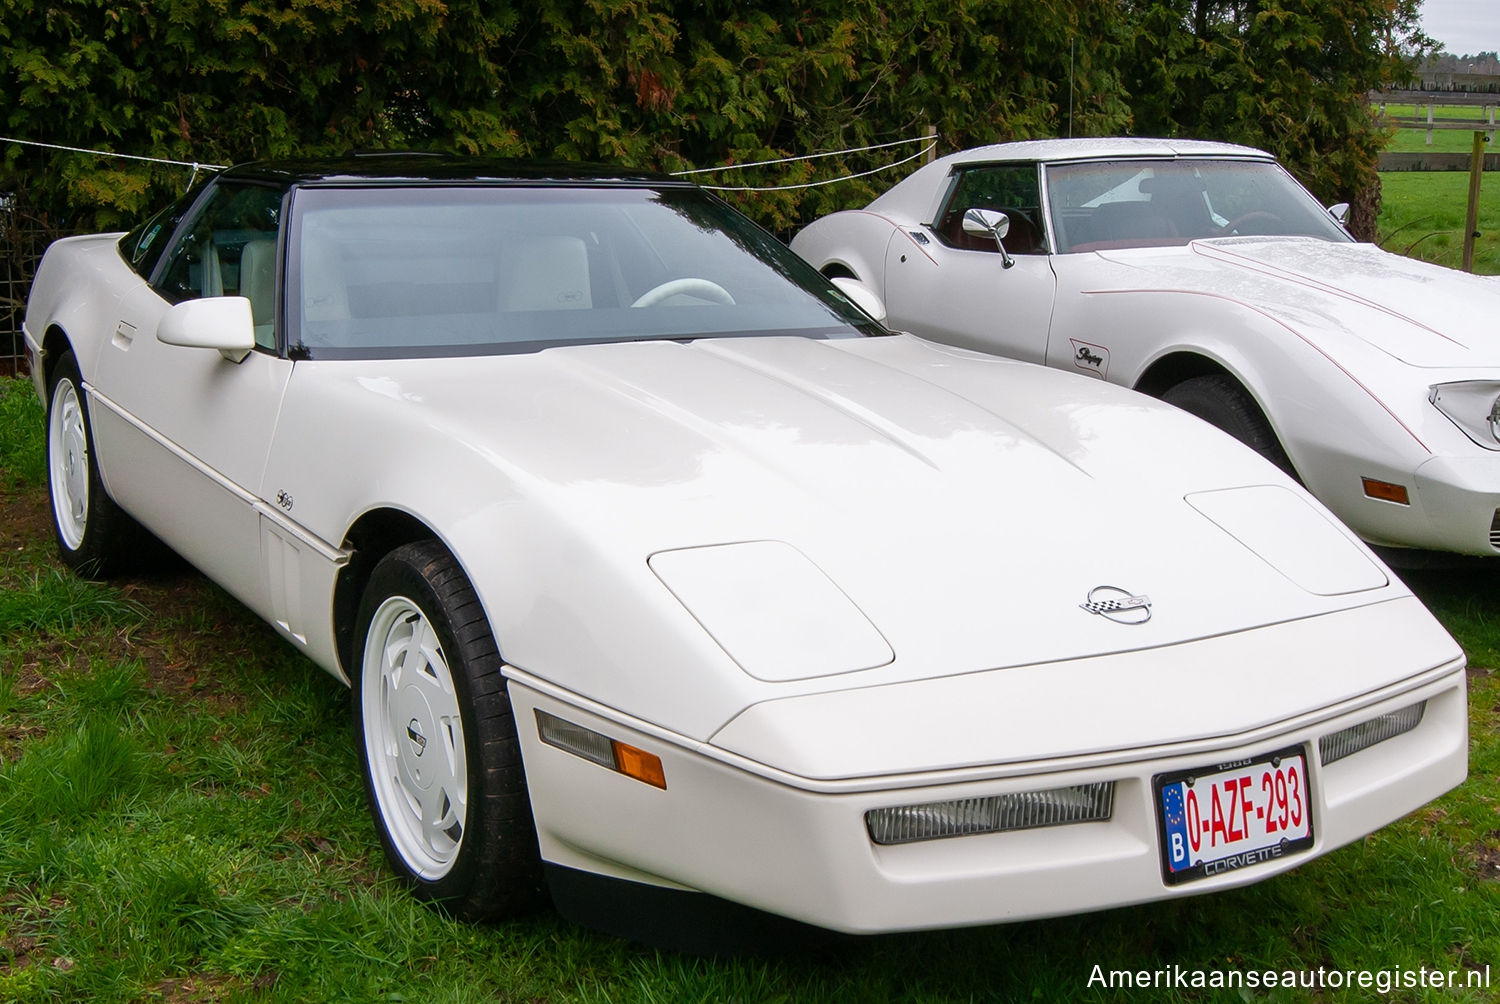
{"points": [[181, 820], [1422, 215]]}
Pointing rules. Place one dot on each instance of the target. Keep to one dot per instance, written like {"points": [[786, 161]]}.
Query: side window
{"points": [[230, 250], [1011, 188], [143, 246]]}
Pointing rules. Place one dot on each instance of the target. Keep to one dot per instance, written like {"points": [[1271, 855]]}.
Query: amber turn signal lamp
{"points": [[1385, 491], [611, 754], [639, 764]]}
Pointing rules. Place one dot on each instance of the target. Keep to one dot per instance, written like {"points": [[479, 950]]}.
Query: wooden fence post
{"points": [[1471, 219]]}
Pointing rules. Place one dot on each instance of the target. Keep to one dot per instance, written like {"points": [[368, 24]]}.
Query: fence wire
{"points": [[22, 241]]}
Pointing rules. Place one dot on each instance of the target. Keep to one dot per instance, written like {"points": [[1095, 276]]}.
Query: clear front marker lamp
{"points": [[1473, 406], [1347, 742], [906, 824], [611, 754]]}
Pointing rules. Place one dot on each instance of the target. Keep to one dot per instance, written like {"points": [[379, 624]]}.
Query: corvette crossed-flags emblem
{"points": [[1118, 605]]}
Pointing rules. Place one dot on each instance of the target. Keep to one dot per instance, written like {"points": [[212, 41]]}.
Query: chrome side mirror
{"points": [[1340, 212], [990, 223]]}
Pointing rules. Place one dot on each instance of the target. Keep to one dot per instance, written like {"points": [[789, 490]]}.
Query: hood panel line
{"points": [[1283, 324], [1208, 250]]}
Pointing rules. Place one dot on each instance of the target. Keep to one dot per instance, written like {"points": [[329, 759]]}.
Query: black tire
{"points": [[95, 537], [439, 732], [1220, 400]]}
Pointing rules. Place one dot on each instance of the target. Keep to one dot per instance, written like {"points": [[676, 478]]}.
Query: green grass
{"points": [[54, 600], [1423, 213], [181, 819], [21, 457]]}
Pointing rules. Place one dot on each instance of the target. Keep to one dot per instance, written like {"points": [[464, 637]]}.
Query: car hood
{"points": [[1420, 313], [810, 515]]}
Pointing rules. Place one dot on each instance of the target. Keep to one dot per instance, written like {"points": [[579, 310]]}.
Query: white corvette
{"points": [[662, 575], [1203, 274]]}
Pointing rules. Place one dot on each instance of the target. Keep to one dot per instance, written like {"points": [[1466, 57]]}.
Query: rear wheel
{"points": [[1220, 400], [95, 537], [437, 739]]}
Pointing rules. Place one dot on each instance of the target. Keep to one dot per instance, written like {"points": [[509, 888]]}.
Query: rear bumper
{"points": [[798, 848]]}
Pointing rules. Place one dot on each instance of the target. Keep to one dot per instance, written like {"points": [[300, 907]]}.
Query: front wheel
{"points": [[437, 739], [1220, 400]]}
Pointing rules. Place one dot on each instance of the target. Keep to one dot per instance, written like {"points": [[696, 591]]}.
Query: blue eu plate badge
{"points": [[1174, 820]]}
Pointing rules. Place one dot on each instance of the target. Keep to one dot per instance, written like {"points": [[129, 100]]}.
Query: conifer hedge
{"points": [[670, 85]]}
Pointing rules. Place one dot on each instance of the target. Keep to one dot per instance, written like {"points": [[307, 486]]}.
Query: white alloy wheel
{"points": [[68, 455], [414, 738], [437, 739]]}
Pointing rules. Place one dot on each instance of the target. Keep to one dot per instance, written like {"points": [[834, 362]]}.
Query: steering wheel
{"points": [[1254, 216], [706, 288]]}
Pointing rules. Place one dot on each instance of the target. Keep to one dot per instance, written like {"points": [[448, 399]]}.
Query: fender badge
{"points": [[1118, 605], [1091, 358]]}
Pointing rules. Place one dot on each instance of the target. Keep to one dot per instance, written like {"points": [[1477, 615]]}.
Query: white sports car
{"points": [[662, 574], [1203, 274]]}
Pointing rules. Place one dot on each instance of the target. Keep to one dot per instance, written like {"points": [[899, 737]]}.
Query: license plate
{"points": [[1228, 816]]}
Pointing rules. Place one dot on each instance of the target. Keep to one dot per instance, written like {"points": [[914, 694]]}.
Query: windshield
{"points": [[401, 271], [1101, 206]]}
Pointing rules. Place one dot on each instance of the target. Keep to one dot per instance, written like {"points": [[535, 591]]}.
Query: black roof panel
{"points": [[422, 168]]}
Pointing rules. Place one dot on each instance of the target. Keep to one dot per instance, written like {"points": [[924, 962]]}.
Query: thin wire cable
{"points": [[196, 166], [809, 156], [816, 184], [931, 145]]}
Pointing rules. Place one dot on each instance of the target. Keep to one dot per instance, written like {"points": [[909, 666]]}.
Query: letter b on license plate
{"points": [[1229, 816]]}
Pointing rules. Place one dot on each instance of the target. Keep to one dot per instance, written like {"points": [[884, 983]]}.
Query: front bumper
{"points": [[798, 847], [1454, 505], [1461, 497]]}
